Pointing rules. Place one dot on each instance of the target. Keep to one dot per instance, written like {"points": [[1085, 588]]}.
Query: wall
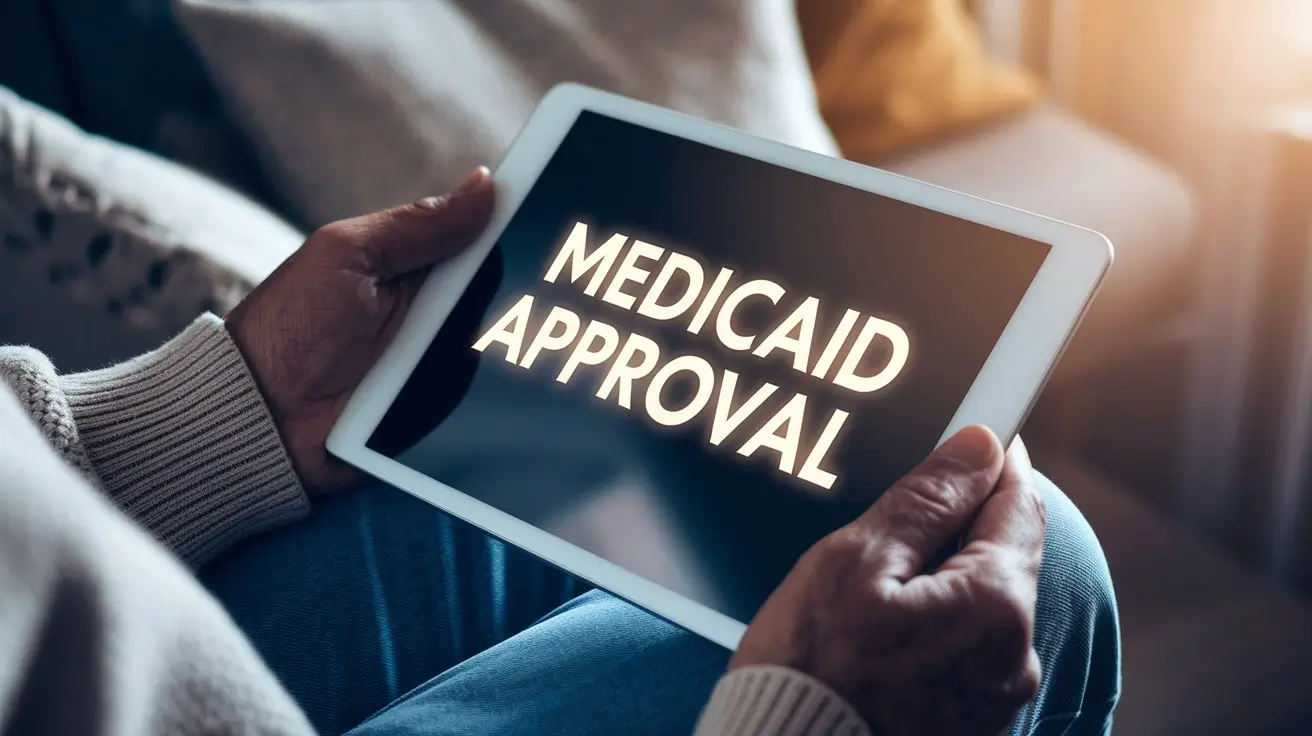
{"points": [[1196, 83]]}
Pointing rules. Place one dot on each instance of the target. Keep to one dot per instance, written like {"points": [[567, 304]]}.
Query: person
{"points": [[379, 615]]}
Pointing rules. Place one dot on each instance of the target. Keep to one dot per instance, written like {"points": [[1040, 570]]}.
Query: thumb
{"points": [[923, 511], [415, 236]]}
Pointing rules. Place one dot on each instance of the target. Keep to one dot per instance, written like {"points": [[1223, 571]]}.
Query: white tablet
{"points": [[680, 355]]}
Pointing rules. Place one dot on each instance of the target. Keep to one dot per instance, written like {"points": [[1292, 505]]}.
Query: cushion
{"points": [[893, 74], [133, 245], [1046, 161], [357, 105], [124, 70]]}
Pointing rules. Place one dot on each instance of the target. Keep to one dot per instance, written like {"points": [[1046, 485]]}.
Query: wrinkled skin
{"points": [[311, 331], [915, 651]]}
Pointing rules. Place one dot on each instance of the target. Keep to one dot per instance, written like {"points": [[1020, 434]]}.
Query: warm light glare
{"points": [[1302, 26]]}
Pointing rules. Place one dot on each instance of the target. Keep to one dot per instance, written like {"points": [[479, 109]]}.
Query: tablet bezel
{"points": [[999, 398]]}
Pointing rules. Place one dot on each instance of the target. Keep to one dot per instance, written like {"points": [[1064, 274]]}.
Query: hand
{"points": [[917, 651], [312, 329]]}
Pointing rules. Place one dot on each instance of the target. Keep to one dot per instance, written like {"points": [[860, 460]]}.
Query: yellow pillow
{"points": [[893, 74]]}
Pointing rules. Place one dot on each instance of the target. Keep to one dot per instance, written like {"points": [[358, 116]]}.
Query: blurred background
{"points": [[158, 158]]}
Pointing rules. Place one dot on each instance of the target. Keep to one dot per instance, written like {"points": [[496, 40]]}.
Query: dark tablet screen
{"points": [[695, 364]]}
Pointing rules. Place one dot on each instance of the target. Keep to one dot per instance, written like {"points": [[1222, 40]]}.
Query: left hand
{"points": [[312, 329], [918, 650]]}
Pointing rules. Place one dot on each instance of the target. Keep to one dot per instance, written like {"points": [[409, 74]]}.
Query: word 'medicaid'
{"points": [[667, 286]]}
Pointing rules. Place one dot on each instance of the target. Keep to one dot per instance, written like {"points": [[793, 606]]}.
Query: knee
{"points": [[1074, 566], [1077, 630]]}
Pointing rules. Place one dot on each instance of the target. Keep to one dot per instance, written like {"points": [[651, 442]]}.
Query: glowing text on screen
{"points": [[625, 267]]}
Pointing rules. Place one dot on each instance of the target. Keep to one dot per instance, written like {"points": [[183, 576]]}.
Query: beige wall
{"points": [[1191, 81], [1146, 69]]}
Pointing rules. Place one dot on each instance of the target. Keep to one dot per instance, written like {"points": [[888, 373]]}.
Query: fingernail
{"points": [[973, 446], [472, 181]]}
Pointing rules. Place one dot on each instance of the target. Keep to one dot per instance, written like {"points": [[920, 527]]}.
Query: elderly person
{"points": [[340, 603]]}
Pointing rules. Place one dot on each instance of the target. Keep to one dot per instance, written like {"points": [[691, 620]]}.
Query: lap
{"points": [[1077, 629], [404, 583], [374, 594], [598, 666]]}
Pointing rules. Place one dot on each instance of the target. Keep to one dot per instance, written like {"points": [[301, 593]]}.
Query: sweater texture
{"points": [[114, 481]]}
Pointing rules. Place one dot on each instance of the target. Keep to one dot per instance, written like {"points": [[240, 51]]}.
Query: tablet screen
{"points": [[695, 364]]}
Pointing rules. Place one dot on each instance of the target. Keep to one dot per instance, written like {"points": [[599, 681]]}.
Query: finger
{"points": [[1013, 516], [406, 239], [919, 515]]}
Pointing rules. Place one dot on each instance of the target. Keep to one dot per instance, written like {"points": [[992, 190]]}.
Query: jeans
{"points": [[382, 615]]}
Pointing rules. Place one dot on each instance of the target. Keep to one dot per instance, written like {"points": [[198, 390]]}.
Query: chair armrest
{"points": [[1147, 211]]}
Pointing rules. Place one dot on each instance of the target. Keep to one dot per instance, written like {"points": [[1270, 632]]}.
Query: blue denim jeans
{"points": [[382, 615]]}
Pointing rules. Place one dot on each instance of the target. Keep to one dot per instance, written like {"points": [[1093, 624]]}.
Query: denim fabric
{"points": [[383, 615]]}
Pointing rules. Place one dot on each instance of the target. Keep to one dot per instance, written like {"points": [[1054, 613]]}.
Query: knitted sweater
{"points": [[107, 634]]}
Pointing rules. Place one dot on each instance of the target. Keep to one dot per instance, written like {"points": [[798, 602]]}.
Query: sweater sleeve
{"points": [[105, 633], [777, 701], [179, 438]]}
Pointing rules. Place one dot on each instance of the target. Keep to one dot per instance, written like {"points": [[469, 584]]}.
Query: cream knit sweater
{"points": [[104, 633]]}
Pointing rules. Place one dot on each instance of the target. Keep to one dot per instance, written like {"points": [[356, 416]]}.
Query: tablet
{"points": [[680, 355]]}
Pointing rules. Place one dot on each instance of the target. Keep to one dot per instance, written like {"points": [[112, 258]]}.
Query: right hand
{"points": [[313, 329], [917, 651]]}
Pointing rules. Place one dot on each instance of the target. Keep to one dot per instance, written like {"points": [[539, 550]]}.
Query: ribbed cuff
{"points": [[777, 701], [181, 439]]}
